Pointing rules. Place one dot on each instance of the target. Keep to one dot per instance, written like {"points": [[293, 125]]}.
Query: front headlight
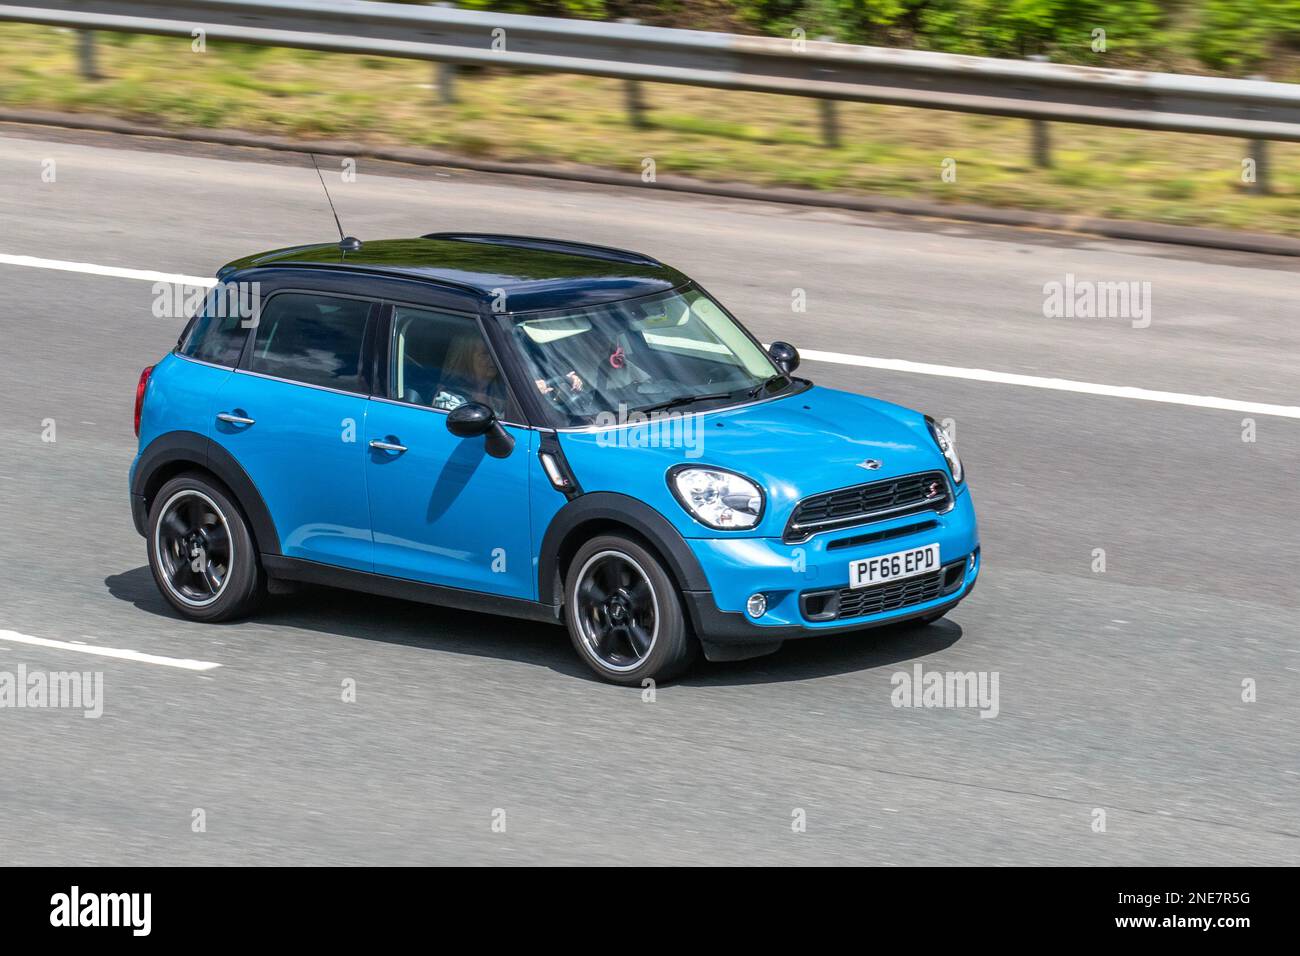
{"points": [[948, 446], [719, 499]]}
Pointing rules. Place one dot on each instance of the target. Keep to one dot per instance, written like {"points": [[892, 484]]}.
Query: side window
{"points": [[313, 339], [442, 361], [215, 338]]}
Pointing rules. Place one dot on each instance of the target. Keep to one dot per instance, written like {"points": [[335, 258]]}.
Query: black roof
{"points": [[533, 273]]}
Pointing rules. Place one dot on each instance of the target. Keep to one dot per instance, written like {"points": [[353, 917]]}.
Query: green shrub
{"points": [[1239, 35], [585, 9]]}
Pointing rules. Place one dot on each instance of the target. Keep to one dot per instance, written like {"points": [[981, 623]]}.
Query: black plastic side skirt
{"points": [[313, 572]]}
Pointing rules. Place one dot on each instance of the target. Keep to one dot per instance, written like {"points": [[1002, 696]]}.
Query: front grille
{"points": [[902, 531], [841, 603], [876, 501]]}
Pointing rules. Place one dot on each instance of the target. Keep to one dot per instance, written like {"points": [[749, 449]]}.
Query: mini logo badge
{"points": [[871, 464]]}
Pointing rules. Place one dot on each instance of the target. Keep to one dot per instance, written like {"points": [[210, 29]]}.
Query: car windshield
{"points": [[674, 350]]}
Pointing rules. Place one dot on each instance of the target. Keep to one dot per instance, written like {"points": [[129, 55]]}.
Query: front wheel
{"points": [[201, 552], [624, 614]]}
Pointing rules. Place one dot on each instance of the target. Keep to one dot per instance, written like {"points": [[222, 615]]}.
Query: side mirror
{"points": [[473, 419], [785, 355]]}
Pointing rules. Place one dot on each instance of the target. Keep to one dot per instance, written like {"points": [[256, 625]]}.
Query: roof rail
{"points": [[356, 268], [549, 245]]}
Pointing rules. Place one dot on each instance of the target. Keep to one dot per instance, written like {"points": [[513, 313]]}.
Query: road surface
{"points": [[1119, 690]]}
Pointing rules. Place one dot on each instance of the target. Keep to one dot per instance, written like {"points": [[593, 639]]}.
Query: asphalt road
{"points": [[1119, 690]]}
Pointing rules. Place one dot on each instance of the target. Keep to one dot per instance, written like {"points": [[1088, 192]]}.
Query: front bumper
{"points": [[801, 582]]}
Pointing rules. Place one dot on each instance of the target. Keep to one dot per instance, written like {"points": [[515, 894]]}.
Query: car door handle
{"points": [[387, 446], [235, 419]]}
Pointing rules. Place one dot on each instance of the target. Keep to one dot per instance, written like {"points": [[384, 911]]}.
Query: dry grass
{"points": [[773, 140]]}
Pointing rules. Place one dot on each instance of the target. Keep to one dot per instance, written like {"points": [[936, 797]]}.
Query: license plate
{"points": [[891, 567]]}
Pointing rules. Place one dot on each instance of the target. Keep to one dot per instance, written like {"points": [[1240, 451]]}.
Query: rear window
{"points": [[215, 338], [313, 339]]}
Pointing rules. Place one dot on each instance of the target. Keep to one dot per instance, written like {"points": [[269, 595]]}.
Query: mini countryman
{"points": [[539, 429]]}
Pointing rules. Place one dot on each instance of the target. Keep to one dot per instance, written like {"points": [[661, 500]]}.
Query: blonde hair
{"points": [[460, 367], [460, 358]]}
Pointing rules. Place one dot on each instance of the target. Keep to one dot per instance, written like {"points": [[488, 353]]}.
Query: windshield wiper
{"points": [[684, 400]]}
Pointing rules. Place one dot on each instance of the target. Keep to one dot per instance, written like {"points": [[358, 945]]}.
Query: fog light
{"points": [[756, 605]]}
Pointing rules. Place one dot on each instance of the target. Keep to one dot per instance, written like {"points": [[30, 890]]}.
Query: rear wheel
{"points": [[201, 552], [624, 614]]}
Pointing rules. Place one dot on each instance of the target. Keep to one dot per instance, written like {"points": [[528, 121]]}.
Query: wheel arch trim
{"points": [[612, 508], [189, 447]]}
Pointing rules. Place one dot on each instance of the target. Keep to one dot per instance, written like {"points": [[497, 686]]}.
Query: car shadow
{"points": [[808, 658], [410, 624]]}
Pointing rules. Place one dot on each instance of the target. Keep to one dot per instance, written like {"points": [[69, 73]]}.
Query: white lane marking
{"points": [[89, 268], [1055, 384], [114, 652], [813, 355]]}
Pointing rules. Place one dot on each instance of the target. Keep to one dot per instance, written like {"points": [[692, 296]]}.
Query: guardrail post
{"points": [[829, 112], [444, 74], [1042, 143], [86, 55], [830, 123], [444, 78], [636, 111], [636, 108], [1257, 149], [1041, 135]]}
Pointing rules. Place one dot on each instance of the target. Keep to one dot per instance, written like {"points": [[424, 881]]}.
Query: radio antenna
{"points": [[346, 243]]}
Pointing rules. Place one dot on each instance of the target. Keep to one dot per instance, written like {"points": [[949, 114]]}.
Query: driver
{"points": [[470, 375]]}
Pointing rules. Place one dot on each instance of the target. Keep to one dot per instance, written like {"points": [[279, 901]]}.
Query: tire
{"points": [[624, 613], [201, 552]]}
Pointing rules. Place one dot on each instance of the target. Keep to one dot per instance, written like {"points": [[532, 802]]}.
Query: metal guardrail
{"points": [[1250, 109]]}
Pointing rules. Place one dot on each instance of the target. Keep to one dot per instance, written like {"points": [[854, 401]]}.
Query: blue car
{"points": [[539, 429]]}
